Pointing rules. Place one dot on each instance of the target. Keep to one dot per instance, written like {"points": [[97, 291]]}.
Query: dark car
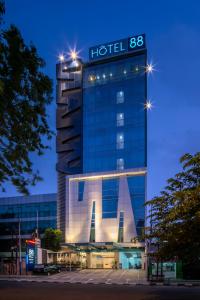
{"points": [[46, 269]]}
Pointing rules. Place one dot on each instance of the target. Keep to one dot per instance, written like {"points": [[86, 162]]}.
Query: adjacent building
{"points": [[23, 215], [102, 154]]}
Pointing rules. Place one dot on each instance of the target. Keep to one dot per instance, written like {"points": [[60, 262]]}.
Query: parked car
{"points": [[46, 269]]}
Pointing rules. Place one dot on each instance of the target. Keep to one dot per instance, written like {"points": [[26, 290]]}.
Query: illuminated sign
{"points": [[118, 47], [30, 254]]}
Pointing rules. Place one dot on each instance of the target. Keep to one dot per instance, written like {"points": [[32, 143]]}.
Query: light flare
{"points": [[148, 105], [61, 57]]}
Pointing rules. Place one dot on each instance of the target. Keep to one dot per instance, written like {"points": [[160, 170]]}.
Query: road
{"points": [[11, 290]]}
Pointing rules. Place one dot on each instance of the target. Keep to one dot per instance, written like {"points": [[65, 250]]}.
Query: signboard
{"points": [[30, 255], [119, 47]]}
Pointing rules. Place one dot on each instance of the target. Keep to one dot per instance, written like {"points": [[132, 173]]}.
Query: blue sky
{"points": [[172, 30]]}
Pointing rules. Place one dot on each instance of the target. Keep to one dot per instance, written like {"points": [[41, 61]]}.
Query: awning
{"points": [[100, 247]]}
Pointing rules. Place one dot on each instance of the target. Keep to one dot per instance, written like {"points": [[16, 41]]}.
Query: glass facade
{"points": [[136, 187], [29, 211], [114, 118], [27, 227], [110, 188]]}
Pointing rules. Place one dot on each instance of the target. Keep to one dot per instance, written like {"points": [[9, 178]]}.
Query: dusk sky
{"points": [[172, 31]]}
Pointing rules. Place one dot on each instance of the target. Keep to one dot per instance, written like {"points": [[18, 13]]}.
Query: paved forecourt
{"points": [[88, 276]]}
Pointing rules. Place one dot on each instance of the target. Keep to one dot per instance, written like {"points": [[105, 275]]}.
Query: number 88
{"points": [[139, 41]]}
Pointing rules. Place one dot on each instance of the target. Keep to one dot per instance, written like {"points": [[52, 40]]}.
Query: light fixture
{"points": [[76, 64], [92, 77], [104, 76], [61, 58], [136, 172], [148, 105], [149, 68], [110, 74], [125, 72], [98, 77], [73, 54]]}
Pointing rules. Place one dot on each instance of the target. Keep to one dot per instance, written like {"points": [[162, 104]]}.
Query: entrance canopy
{"points": [[107, 247]]}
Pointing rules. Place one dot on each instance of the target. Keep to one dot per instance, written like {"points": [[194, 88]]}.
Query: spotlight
{"points": [[73, 55], [149, 68], [148, 105], [61, 58]]}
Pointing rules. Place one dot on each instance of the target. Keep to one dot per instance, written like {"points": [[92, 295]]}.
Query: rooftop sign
{"points": [[118, 47]]}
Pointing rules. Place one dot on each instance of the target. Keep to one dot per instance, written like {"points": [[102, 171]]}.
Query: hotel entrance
{"points": [[106, 256], [103, 260]]}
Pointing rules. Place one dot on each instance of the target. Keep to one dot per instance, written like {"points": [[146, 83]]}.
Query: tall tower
{"points": [[69, 129], [102, 153]]}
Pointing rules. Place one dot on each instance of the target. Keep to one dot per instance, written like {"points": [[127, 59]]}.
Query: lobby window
{"points": [[120, 164], [120, 141], [120, 97], [80, 190], [120, 119]]}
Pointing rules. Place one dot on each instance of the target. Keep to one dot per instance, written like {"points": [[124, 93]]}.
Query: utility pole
{"points": [[37, 225], [20, 249]]}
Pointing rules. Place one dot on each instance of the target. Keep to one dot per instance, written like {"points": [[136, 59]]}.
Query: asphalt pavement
{"points": [[12, 290]]}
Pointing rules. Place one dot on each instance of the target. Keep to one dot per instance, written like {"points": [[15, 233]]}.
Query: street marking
{"points": [[108, 281], [89, 280]]}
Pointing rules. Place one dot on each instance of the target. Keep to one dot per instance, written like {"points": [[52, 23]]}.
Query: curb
{"points": [[174, 284]]}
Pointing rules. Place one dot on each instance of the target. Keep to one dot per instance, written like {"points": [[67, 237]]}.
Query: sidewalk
{"points": [[108, 277]]}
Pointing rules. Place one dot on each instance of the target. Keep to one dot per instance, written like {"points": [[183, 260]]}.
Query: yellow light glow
{"points": [[73, 55], [95, 177], [92, 77]]}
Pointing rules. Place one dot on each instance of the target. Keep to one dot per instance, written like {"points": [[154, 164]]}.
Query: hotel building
{"points": [[102, 154]]}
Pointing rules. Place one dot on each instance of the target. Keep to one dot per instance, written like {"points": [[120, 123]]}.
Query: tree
{"points": [[52, 239], [25, 91], [175, 215]]}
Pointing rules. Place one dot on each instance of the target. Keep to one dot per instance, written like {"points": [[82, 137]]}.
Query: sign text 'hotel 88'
{"points": [[117, 47]]}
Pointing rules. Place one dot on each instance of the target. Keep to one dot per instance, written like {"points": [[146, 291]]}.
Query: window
{"points": [[80, 190], [121, 227], [120, 119], [92, 228], [120, 164], [120, 97], [110, 190], [120, 141]]}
